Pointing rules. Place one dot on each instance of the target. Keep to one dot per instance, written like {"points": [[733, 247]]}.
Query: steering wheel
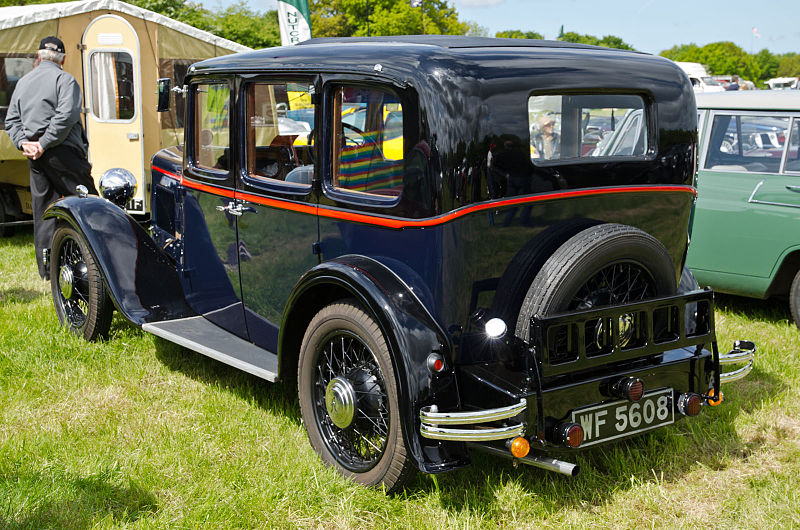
{"points": [[359, 141]]}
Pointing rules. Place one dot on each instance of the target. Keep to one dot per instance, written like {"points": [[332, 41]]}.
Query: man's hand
{"points": [[32, 150]]}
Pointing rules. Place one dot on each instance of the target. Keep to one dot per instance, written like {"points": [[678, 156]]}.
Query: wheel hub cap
{"points": [[66, 282], [340, 402]]}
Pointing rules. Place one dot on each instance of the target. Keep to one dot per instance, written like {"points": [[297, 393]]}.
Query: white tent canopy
{"points": [[18, 16]]}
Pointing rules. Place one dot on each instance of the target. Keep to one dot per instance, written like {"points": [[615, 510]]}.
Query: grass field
{"points": [[136, 432]]}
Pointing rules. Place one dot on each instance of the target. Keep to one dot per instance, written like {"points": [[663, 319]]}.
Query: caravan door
{"points": [[112, 93]]}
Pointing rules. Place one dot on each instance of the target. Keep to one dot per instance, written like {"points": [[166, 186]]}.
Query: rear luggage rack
{"points": [[577, 341]]}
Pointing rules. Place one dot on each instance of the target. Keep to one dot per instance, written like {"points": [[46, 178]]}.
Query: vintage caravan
{"points": [[116, 51]]}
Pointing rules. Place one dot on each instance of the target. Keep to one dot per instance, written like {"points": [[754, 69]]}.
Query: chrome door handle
{"points": [[232, 208], [793, 188]]}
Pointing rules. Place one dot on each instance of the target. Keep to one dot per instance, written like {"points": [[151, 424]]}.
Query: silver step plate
{"points": [[202, 336]]}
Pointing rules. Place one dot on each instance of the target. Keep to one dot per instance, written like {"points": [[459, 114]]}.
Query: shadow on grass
{"points": [[18, 295], [74, 502], [664, 455], [773, 310], [23, 237], [275, 397]]}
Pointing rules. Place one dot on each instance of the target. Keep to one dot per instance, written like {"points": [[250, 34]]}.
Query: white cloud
{"points": [[479, 3]]}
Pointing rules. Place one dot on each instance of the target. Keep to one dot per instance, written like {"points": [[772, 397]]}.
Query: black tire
{"points": [[345, 354], [608, 264], [79, 294], [794, 299]]}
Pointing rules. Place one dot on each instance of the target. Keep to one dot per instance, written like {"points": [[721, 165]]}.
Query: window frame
{"points": [[711, 114], [410, 137], [137, 92], [269, 184], [650, 129], [218, 176]]}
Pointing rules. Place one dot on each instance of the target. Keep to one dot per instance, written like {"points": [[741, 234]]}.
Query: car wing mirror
{"points": [[164, 89]]}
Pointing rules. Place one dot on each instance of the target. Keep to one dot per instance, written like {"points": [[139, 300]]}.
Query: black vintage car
{"points": [[433, 236]]}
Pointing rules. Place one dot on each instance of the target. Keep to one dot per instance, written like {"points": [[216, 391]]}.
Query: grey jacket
{"points": [[46, 106]]}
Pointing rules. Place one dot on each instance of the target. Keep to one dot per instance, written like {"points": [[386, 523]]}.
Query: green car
{"points": [[745, 235]]}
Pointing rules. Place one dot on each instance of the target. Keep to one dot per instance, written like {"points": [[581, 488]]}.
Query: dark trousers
{"points": [[55, 174]]}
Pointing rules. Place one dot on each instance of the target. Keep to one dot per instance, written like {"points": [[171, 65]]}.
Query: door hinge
{"points": [[81, 47], [316, 248]]}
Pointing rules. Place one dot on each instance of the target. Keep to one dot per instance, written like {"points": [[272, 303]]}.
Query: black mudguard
{"points": [[141, 279], [412, 335]]}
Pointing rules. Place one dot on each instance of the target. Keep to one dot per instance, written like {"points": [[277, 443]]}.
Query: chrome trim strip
{"points": [[431, 415], [471, 435]]}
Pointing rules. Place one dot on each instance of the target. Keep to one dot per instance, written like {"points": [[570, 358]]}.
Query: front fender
{"points": [[141, 279], [412, 334]]}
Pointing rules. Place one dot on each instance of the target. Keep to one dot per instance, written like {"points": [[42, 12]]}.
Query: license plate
{"points": [[609, 421], [25, 201]]}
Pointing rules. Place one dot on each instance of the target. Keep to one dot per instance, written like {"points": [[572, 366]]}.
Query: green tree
{"points": [[789, 65], [768, 63], [241, 24], [689, 53], [351, 18], [517, 34], [609, 41]]}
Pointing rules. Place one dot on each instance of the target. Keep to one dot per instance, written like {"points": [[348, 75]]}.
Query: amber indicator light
{"points": [[713, 399], [520, 447]]}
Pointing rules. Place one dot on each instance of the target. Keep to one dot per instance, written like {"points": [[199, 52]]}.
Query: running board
{"points": [[200, 335]]}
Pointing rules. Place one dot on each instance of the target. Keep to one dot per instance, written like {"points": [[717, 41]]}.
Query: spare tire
{"points": [[608, 264]]}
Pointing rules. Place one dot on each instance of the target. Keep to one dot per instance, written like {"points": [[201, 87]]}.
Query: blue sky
{"points": [[647, 25]]}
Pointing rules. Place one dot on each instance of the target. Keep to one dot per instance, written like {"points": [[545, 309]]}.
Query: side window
{"points": [[793, 157], [568, 127], [367, 141], [211, 142], [280, 118], [747, 143], [112, 87], [11, 70]]}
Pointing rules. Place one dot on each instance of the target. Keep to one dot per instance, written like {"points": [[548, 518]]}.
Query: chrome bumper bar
{"points": [[431, 420], [743, 351]]}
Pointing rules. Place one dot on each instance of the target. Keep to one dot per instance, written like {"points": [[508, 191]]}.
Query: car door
{"points": [[210, 213], [747, 204], [278, 230], [112, 91]]}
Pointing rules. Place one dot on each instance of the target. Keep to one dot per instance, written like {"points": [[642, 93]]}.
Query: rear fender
{"points": [[412, 335], [141, 279]]}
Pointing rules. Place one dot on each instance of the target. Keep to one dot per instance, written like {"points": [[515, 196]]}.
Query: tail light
{"points": [[630, 388], [569, 434]]}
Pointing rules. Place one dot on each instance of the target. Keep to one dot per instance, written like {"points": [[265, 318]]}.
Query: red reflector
{"points": [[690, 404], [569, 434], [438, 364], [575, 435]]}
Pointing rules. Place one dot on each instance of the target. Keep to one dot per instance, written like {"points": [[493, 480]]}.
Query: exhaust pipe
{"points": [[543, 462]]}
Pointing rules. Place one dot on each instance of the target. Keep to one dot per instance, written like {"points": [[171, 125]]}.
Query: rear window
{"points": [[579, 127]]}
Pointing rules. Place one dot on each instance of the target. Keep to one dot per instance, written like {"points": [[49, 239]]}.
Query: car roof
{"points": [[750, 100], [455, 41]]}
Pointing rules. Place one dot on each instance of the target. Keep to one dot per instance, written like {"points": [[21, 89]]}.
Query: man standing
{"points": [[43, 121]]}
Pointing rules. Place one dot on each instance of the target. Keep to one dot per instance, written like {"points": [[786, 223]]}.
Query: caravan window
{"points": [[11, 70], [112, 88]]}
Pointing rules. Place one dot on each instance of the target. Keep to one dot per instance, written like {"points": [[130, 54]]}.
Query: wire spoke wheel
{"points": [[79, 294], [356, 438], [73, 283], [349, 398]]}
